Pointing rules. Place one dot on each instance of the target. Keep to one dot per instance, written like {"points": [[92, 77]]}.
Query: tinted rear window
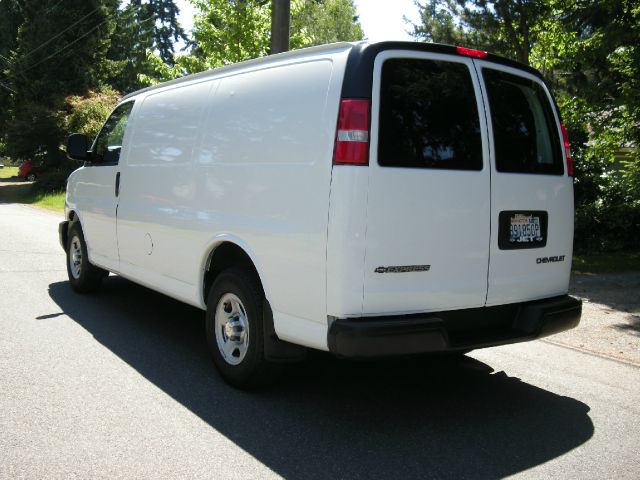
{"points": [[524, 129], [428, 116]]}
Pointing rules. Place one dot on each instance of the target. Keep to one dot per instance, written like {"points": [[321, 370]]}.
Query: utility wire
{"points": [[7, 87], [65, 47], [73, 42], [22, 57]]}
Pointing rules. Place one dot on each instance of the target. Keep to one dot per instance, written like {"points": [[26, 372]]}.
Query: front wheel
{"points": [[83, 276], [234, 329]]}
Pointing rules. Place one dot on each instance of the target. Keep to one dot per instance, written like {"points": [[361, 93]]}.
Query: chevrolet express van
{"points": [[363, 199]]}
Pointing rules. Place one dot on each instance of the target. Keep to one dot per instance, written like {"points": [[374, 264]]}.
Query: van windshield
{"points": [[524, 129]]}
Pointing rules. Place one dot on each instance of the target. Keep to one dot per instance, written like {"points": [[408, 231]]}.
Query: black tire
{"points": [[31, 177], [252, 369], [87, 278]]}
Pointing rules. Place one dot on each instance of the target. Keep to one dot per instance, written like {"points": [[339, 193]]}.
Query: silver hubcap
{"points": [[75, 257], [232, 329]]}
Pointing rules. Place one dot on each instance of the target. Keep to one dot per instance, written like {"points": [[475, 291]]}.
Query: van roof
{"points": [[358, 76], [246, 63]]}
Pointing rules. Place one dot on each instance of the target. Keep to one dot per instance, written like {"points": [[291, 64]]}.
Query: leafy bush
{"points": [[81, 114], [607, 227], [88, 113], [607, 190], [55, 179], [607, 205], [33, 129]]}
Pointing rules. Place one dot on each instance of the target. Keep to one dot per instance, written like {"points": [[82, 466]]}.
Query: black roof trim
{"points": [[358, 78]]}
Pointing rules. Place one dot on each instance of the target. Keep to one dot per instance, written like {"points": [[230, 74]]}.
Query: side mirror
{"points": [[77, 146]]}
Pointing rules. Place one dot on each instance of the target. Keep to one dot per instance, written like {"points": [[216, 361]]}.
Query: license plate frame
{"points": [[529, 229]]}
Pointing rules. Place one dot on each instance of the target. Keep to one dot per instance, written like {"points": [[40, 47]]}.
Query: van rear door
{"points": [[531, 192], [427, 239]]}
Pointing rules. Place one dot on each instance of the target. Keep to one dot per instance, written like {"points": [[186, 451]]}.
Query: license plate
{"points": [[522, 229], [525, 229]]}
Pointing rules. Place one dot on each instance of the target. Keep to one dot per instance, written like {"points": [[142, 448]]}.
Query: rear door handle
{"points": [[117, 184]]}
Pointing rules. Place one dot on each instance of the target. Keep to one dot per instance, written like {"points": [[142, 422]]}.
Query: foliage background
{"points": [[589, 54], [65, 63]]}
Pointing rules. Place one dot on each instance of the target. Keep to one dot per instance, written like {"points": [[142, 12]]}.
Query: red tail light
{"points": [[352, 136], [470, 52], [567, 150]]}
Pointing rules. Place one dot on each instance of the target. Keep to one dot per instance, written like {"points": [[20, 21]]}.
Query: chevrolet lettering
{"points": [[559, 258]]}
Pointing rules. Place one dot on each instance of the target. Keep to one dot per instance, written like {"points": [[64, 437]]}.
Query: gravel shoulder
{"points": [[610, 324]]}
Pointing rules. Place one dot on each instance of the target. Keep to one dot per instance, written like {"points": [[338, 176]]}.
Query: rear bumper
{"points": [[453, 330], [63, 228]]}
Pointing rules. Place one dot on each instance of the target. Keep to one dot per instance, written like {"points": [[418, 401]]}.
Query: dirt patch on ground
{"points": [[13, 183], [610, 324]]}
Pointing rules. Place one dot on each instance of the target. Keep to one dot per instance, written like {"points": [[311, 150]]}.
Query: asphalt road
{"points": [[119, 385]]}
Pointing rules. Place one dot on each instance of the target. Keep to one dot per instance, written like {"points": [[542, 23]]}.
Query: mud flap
{"points": [[276, 350]]}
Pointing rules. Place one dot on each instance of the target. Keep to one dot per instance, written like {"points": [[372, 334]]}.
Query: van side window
{"points": [[109, 141], [522, 119], [428, 116]]}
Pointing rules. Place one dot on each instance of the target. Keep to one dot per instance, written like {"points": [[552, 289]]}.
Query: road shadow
{"points": [[327, 418], [617, 291], [632, 327]]}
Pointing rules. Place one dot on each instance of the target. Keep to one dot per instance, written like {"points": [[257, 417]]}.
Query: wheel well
{"points": [[224, 256]]}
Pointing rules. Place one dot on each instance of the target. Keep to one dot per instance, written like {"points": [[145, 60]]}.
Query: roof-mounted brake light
{"points": [[470, 52]]}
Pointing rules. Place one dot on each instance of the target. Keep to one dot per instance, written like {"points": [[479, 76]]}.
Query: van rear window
{"points": [[524, 129], [428, 116]]}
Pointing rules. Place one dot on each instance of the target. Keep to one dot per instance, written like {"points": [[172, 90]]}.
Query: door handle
{"points": [[117, 184]]}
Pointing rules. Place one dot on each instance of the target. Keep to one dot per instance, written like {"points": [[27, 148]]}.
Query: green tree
{"points": [[589, 53], [142, 26], [56, 50], [127, 57], [230, 31], [597, 77], [506, 27], [164, 29], [316, 22], [10, 20]]}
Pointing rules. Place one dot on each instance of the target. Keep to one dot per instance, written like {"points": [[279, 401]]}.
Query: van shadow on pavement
{"points": [[327, 418]]}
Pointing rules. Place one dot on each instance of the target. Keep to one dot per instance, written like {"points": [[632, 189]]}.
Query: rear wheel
{"points": [[83, 276], [235, 332]]}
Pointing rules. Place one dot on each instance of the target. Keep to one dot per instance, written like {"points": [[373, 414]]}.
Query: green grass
{"points": [[8, 172], [50, 201], [13, 190], [614, 262]]}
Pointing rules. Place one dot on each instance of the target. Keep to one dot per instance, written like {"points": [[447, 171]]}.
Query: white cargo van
{"points": [[364, 199]]}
